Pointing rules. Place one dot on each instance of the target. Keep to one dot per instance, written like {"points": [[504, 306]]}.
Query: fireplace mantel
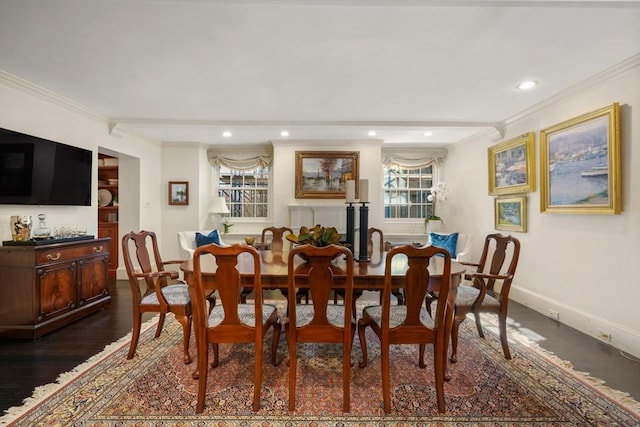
{"points": [[310, 215]]}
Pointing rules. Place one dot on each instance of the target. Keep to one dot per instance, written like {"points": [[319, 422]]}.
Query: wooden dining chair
{"points": [[230, 321], [277, 241], [370, 240], [320, 322], [410, 323], [277, 244], [151, 288], [489, 290]]}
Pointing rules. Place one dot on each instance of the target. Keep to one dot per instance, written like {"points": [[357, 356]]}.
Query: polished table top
{"points": [[367, 275]]}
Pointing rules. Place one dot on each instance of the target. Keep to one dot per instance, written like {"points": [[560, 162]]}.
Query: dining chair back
{"points": [[411, 323], [230, 321], [370, 239], [320, 322], [277, 241], [489, 290], [153, 288]]}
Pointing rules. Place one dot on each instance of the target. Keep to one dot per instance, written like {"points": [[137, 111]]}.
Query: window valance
{"points": [[245, 158], [413, 158]]}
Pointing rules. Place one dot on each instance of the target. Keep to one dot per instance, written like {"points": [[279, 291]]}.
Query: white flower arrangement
{"points": [[438, 193]]}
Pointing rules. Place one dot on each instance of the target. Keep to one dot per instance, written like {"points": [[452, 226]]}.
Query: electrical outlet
{"points": [[553, 314], [604, 336]]}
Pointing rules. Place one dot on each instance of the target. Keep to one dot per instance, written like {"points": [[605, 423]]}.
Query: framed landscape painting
{"points": [[324, 174], [511, 213], [580, 164], [511, 166], [179, 193]]}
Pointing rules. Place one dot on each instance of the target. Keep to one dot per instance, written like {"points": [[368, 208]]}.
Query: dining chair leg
{"points": [[362, 329], [440, 367], [476, 314], [292, 375], [275, 341], [185, 321], [257, 382], [214, 363], [455, 327], [160, 324], [502, 321], [346, 378], [202, 376], [421, 356], [386, 385], [135, 335]]}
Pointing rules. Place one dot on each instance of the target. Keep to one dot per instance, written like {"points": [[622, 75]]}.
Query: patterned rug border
{"points": [[46, 391], [42, 393], [598, 385]]}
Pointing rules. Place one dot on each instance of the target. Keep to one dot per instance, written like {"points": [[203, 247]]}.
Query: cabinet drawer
{"points": [[65, 254]]}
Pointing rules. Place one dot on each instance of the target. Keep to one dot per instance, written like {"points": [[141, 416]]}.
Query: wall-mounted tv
{"points": [[37, 171]]}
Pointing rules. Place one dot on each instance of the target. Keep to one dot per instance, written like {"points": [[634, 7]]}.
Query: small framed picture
{"points": [[511, 166], [179, 193], [511, 213]]}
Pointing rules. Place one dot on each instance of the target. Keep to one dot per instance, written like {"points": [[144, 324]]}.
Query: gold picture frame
{"points": [[324, 174], [511, 213], [512, 166], [179, 193], [580, 164]]}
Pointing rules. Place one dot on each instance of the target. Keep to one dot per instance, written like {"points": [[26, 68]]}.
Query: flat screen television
{"points": [[37, 171]]}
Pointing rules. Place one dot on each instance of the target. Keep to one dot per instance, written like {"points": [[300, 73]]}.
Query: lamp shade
{"points": [[218, 205]]}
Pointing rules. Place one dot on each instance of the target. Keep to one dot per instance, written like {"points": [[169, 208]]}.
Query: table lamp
{"points": [[218, 207]]}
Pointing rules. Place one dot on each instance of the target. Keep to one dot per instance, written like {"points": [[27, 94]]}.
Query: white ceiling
{"points": [[185, 70]]}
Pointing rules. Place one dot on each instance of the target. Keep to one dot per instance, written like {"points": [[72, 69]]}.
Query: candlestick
{"points": [[364, 233], [351, 226], [364, 191]]}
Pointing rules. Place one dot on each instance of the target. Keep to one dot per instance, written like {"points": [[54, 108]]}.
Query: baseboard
{"points": [[619, 336]]}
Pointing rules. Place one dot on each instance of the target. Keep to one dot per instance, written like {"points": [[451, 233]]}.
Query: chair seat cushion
{"points": [[445, 241], [246, 312], [467, 295], [397, 314], [174, 294], [335, 315], [212, 237]]}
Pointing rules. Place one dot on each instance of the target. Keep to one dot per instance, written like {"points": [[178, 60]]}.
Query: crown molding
{"points": [[627, 66], [51, 97]]}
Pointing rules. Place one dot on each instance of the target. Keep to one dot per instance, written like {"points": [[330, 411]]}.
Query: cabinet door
{"points": [[57, 285], [93, 279]]}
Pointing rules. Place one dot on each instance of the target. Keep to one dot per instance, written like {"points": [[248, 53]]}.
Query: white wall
{"points": [[582, 266], [32, 110]]}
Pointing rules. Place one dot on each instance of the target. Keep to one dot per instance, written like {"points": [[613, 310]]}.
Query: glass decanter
{"points": [[42, 232]]}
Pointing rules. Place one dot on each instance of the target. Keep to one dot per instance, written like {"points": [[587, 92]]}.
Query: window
{"points": [[406, 191], [245, 191]]}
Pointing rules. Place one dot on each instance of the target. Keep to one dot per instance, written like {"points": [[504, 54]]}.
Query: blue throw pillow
{"points": [[445, 241], [212, 237]]}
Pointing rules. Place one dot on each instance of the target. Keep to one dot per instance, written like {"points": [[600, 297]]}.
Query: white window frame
{"points": [[415, 197], [226, 192]]}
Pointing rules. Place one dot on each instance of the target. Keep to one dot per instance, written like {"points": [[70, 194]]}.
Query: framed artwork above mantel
{"points": [[324, 174]]}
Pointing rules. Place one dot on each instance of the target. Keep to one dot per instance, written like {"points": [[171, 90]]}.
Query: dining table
{"points": [[367, 275]]}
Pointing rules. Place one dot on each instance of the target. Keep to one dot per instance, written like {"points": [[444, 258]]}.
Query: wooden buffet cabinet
{"points": [[46, 286]]}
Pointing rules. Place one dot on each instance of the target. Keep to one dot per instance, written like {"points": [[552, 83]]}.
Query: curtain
{"points": [[413, 158], [243, 158]]}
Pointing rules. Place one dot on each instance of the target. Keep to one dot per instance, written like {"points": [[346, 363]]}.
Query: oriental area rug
{"points": [[155, 388]]}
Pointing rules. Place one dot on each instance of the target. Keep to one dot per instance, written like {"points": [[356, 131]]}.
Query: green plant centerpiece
{"points": [[316, 236]]}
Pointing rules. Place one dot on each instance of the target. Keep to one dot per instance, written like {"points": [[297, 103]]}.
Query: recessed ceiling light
{"points": [[371, 133], [428, 133], [284, 133], [527, 85], [226, 134]]}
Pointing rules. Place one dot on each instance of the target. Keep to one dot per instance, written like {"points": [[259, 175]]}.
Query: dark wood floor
{"points": [[26, 364]]}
